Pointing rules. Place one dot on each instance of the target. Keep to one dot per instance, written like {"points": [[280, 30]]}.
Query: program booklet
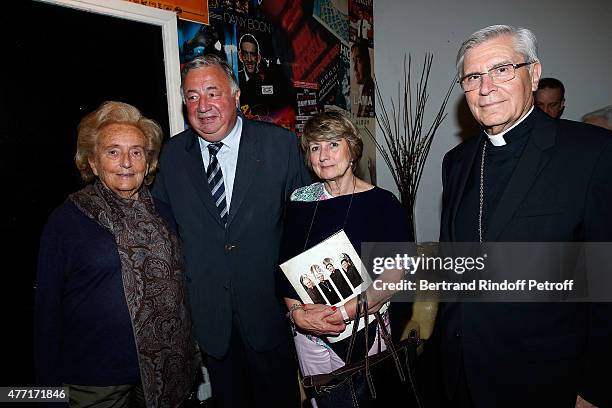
{"points": [[329, 273]]}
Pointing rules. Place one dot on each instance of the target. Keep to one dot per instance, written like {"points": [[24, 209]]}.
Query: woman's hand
{"points": [[313, 318], [351, 311], [335, 318]]}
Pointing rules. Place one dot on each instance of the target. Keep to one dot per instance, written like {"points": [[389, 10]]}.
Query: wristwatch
{"points": [[345, 315]]}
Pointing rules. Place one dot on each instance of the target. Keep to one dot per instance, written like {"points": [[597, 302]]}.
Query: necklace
{"points": [[481, 204], [325, 283], [317, 207]]}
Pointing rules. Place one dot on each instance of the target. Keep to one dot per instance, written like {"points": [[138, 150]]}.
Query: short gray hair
{"points": [[525, 42], [605, 112], [209, 60], [110, 113]]}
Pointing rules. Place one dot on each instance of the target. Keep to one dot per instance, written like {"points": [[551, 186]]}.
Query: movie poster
{"points": [[342, 95], [199, 39], [264, 76], [333, 15], [293, 59], [361, 22], [362, 57], [363, 92], [307, 101]]}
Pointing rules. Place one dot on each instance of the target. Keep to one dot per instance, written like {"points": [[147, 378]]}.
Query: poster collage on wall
{"points": [[294, 58]]}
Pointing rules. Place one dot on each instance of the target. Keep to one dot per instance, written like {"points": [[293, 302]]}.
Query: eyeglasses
{"points": [[498, 75]]}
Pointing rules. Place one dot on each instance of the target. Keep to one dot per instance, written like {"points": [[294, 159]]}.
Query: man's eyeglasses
{"points": [[498, 75]]}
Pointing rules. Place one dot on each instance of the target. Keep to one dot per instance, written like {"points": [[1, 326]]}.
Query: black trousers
{"points": [[247, 378], [548, 395], [462, 397], [113, 396]]}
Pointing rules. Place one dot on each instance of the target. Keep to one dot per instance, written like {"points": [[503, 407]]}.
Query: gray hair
{"points": [[525, 42], [605, 112], [303, 278], [209, 60], [109, 113]]}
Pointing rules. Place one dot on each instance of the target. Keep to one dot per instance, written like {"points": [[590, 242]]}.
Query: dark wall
{"points": [[58, 64]]}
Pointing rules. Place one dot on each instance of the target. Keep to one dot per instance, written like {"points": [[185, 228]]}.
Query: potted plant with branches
{"points": [[406, 141], [405, 149]]}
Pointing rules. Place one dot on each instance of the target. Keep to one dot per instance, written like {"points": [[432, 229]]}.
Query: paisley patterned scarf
{"points": [[154, 284]]}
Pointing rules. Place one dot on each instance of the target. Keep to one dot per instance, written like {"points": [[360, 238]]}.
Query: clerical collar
{"points": [[498, 139]]}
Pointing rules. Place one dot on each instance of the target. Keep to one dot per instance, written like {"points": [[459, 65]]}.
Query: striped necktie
{"points": [[215, 181]]}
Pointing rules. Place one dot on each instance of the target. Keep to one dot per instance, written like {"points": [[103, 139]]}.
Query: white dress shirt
{"points": [[227, 157]]}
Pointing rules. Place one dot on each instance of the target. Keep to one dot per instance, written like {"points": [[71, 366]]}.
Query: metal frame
{"points": [[167, 21]]}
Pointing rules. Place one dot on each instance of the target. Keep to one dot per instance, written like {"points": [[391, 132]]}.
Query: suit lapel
{"points": [[196, 174], [246, 167], [533, 159], [464, 167]]}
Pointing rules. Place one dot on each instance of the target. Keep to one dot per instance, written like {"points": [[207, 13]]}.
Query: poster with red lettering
{"points": [[292, 59]]}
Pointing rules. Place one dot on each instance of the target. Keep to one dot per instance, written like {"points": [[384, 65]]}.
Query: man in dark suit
{"points": [[249, 77], [227, 180], [264, 87], [338, 278], [550, 97], [526, 178]]}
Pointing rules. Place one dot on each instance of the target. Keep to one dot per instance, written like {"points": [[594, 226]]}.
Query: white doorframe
{"points": [[167, 21]]}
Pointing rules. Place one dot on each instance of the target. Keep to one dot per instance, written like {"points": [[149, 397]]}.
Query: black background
{"points": [[58, 64]]}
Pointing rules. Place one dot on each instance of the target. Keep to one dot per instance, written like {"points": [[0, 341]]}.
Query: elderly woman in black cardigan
{"points": [[112, 321]]}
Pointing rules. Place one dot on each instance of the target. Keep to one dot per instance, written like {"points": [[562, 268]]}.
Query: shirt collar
{"points": [[498, 139], [232, 140]]}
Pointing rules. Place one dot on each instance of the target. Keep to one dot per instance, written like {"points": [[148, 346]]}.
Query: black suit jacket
{"points": [[519, 354], [341, 284], [233, 269]]}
